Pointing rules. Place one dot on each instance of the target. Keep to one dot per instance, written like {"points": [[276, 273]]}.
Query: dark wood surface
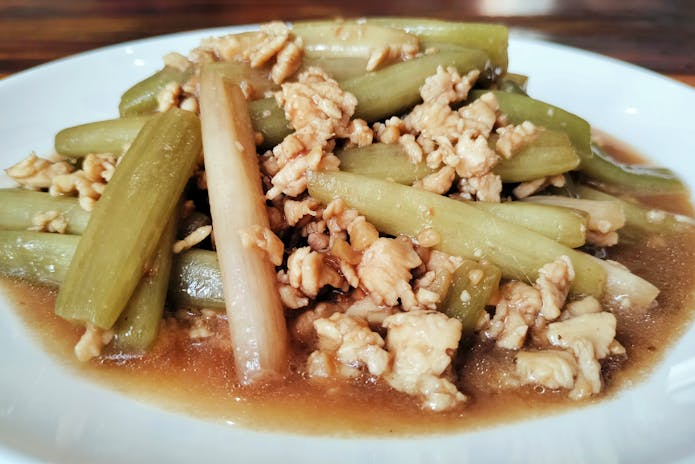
{"points": [[656, 34]]}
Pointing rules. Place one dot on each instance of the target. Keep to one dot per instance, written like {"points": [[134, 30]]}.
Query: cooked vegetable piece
{"points": [[379, 94], [594, 163], [196, 280], [109, 136], [396, 88], [604, 216], [257, 80], [550, 153], [142, 97], [564, 225], [349, 40], [463, 230], [639, 218], [473, 285], [37, 257], [254, 310], [340, 68], [269, 119], [630, 177], [388, 161], [19, 207], [128, 220], [627, 289], [42, 258], [138, 325], [513, 83], [491, 38]]}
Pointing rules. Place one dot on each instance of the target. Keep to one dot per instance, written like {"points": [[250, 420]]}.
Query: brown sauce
{"points": [[197, 377]]}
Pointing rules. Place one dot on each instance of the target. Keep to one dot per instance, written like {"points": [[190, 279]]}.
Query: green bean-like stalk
{"points": [[640, 219], [463, 230], [43, 258], [110, 136], [128, 220], [136, 329], [604, 216], [141, 98], [473, 285], [593, 161], [18, 208]]}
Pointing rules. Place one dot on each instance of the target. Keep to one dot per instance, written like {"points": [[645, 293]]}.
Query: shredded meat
{"points": [[590, 338], [92, 341], [89, 182], [438, 182], [528, 188], [265, 240], [482, 188], [319, 111], [192, 239], [296, 210], [347, 344], [551, 368], [36, 173], [49, 221], [512, 138], [422, 343], [389, 53], [308, 271], [518, 308], [554, 280], [385, 271]]}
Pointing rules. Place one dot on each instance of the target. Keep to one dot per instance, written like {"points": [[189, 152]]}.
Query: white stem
{"points": [[254, 309]]}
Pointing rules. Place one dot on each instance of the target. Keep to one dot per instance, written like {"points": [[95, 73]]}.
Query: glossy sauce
{"points": [[197, 376]]}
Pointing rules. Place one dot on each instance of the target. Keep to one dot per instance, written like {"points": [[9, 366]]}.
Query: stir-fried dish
{"points": [[374, 205]]}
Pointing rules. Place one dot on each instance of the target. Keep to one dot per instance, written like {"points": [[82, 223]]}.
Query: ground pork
{"points": [[49, 221], [512, 138], [192, 239], [385, 271], [516, 311], [308, 271], [553, 282], [422, 344], [265, 240], [37, 173], [346, 344], [89, 182], [319, 111], [528, 188], [550, 368], [92, 341]]}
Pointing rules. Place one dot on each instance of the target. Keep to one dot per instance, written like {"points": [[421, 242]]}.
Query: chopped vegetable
{"points": [[132, 213], [464, 230], [43, 258], [138, 325], [142, 97], [254, 309], [111, 136], [594, 163], [19, 208], [474, 284]]}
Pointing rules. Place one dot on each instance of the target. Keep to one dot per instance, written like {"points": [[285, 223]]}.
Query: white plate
{"points": [[47, 413]]}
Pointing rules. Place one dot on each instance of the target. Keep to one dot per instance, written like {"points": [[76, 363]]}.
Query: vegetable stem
{"points": [[128, 220], [463, 230], [254, 309]]}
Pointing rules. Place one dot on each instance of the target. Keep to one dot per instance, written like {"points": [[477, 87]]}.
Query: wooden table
{"points": [[656, 34]]}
